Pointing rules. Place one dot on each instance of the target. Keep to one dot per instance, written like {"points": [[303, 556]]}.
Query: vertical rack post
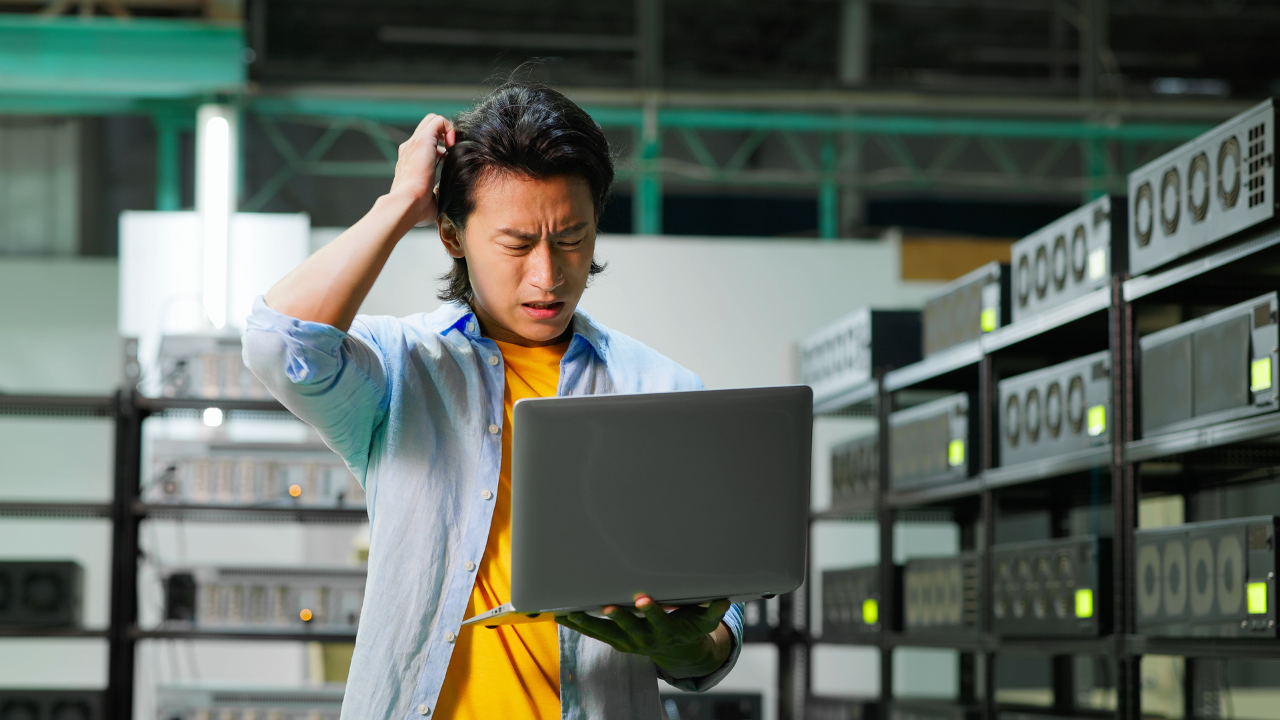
{"points": [[987, 404], [1124, 500], [889, 603], [121, 645]]}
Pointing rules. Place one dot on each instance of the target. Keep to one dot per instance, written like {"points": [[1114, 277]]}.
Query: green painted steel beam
{"points": [[926, 126], [73, 60]]}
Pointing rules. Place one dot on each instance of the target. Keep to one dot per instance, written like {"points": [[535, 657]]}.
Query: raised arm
{"points": [[330, 286]]}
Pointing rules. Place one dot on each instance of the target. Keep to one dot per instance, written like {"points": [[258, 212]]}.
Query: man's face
{"points": [[528, 246]]}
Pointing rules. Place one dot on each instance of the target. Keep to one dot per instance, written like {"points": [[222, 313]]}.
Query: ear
{"points": [[451, 237]]}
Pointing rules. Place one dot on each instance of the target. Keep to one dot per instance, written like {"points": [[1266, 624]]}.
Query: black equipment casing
{"points": [[1209, 189], [966, 308], [853, 349], [1037, 586], [1056, 411], [41, 593], [855, 470], [942, 595], [1212, 369], [845, 595], [1207, 579], [20, 704], [1070, 257], [930, 444]]}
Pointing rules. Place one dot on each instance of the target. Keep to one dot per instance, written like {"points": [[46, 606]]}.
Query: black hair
{"points": [[526, 129]]}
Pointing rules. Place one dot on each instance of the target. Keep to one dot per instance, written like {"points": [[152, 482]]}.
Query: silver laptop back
{"points": [[685, 496]]}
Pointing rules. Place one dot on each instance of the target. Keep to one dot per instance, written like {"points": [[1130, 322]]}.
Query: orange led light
{"points": [[295, 490], [305, 614]]}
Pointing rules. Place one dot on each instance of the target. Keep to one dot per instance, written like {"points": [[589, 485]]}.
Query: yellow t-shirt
{"points": [[512, 672]]}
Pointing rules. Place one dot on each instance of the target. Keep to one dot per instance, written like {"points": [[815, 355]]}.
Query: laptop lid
{"points": [[685, 496]]}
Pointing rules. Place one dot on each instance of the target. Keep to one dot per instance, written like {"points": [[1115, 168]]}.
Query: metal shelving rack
{"points": [[1227, 273]]}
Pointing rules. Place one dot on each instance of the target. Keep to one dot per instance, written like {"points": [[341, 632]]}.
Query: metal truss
{"points": [[826, 152]]}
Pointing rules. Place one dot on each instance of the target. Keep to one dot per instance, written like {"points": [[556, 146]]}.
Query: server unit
{"points": [[852, 604], [1056, 411], [712, 706], [932, 710], [966, 308], [1208, 579], [1212, 369], [942, 595], [929, 444], [235, 473], [1052, 588], [825, 708], [19, 704], [201, 703], [208, 367], [44, 593], [1206, 190], [266, 599], [855, 470], [1068, 258], [849, 351]]}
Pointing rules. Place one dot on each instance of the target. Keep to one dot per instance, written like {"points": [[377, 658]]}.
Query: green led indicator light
{"points": [[1260, 375], [955, 453], [870, 612], [1257, 593], [1097, 420], [1084, 603], [988, 318]]}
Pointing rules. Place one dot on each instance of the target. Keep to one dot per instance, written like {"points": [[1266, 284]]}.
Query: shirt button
{"points": [[493, 359], [471, 327], [493, 429], [450, 637], [470, 566], [423, 709], [486, 494]]}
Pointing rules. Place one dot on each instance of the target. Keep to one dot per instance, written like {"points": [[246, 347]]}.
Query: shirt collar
{"points": [[455, 316]]}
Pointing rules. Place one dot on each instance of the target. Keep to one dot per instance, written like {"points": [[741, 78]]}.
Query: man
{"points": [[420, 409]]}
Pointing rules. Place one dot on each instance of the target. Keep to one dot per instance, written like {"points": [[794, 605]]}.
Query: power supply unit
{"points": [[265, 599], [212, 703], [829, 708], [20, 704], [1052, 587], [932, 710], [1056, 411], [1203, 191], [44, 593], [260, 474], [850, 351], [1212, 369], [855, 470], [966, 308], [1213, 579], [852, 604], [1068, 258], [942, 595], [929, 444], [207, 367], [711, 706]]}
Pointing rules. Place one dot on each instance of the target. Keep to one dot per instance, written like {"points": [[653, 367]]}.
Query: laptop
{"points": [[688, 497]]}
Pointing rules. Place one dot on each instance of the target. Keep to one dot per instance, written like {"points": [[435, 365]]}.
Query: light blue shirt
{"points": [[415, 407]]}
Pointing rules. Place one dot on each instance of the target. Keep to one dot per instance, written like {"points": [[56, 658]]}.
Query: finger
{"points": [[653, 612], [603, 630], [566, 622], [705, 619], [639, 629], [424, 122]]}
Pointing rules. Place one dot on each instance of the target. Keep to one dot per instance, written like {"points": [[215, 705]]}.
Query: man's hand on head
{"points": [[687, 642]]}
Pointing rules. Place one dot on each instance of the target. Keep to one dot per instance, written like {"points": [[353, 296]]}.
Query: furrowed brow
{"points": [[533, 237]]}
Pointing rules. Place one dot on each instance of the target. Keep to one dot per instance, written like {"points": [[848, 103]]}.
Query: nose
{"points": [[543, 271]]}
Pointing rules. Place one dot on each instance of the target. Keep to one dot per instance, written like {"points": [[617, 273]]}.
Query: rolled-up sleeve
{"points": [[332, 380], [733, 621]]}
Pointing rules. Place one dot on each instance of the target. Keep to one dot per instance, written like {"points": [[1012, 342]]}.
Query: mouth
{"points": [[544, 311]]}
